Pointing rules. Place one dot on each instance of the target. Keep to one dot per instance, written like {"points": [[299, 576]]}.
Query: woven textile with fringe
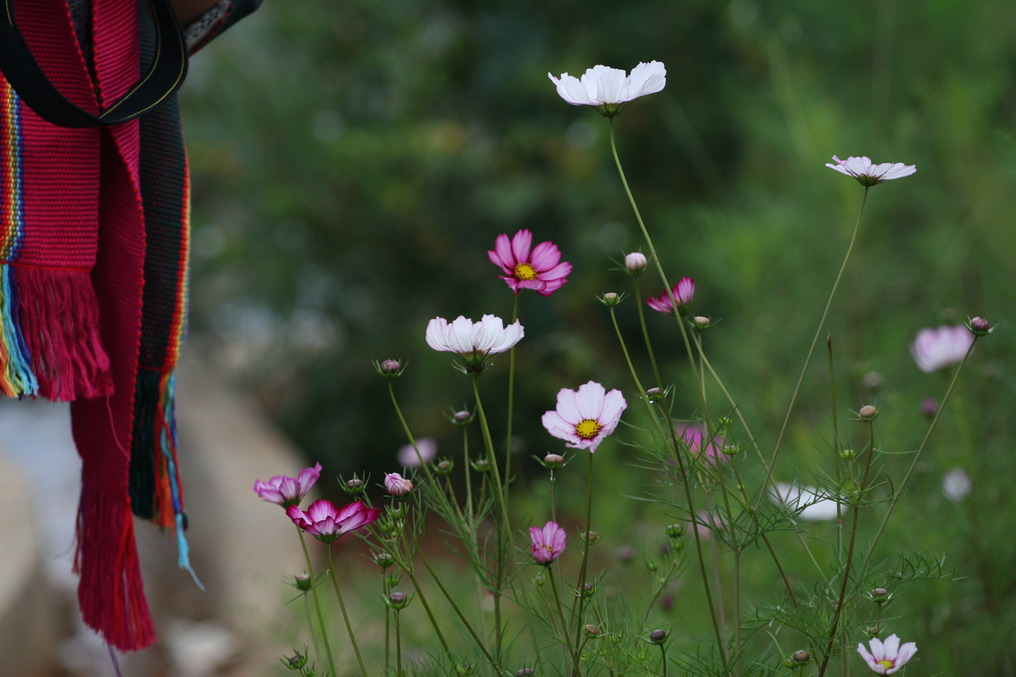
{"points": [[94, 234]]}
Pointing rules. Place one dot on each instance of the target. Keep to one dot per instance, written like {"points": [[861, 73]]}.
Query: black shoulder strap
{"points": [[167, 72]]}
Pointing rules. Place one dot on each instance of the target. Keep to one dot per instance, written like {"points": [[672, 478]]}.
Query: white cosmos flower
{"points": [[473, 341], [805, 501], [867, 173], [885, 658], [610, 88]]}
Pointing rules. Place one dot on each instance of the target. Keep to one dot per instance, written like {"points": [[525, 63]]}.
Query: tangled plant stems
{"points": [[593, 621]]}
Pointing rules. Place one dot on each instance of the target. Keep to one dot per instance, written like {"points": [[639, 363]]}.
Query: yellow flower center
{"points": [[885, 663], [588, 428], [525, 271]]}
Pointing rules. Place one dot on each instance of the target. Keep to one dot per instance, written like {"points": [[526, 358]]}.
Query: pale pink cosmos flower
{"points": [[548, 542], [584, 418], [286, 491], [868, 174], [805, 501], [473, 341], [934, 349], [526, 267], [408, 458], [887, 657], [609, 89], [397, 485], [327, 522], [684, 292]]}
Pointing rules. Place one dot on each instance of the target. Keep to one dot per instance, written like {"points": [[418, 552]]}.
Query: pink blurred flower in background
{"points": [[526, 267], [609, 89], [888, 657], [584, 418], [286, 491], [548, 542], [683, 291], [327, 522], [408, 458], [693, 435], [934, 349], [868, 174]]}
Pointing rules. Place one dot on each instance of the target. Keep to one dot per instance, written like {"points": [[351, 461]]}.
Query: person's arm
{"points": [[189, 10]]}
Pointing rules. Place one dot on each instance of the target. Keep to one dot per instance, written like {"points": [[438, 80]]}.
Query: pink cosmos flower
{"points": [[326, 522], [609, 89], [584, 418], [408, 458], [868, 174], [473, 341], [286, 491], [888, 657], [934, 349], [526, 267], [683, 291], [693, 435], [548, 542], [397, 485]]}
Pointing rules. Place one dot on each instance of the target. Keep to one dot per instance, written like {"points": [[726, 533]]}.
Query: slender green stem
{"points": [[645, 335], [489, 446], [511, 407], [345, 614], [663, 658], [564, 625], [388, 620], [398, 645], [409, 433], [586, 542], [811, 350], [553, 496], [917, 456], [836, 443], [841, 599], [458, 612], [317, 605]]}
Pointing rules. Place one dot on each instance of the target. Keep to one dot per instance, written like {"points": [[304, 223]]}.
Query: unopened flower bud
{"points": [[731, 449], [654, 394], [539, 580], [625, 554], [353, 486], [590, 537], [398, 600], [653, 566], [873, 631], [635, 263], [524, 672], [389, 368], [879, 593], [801, 656], [591, 630], [658, 636], [465, 669], [610, 299], [847, 453], [979, 326], [383, 559], [393, 579], [481, 465], [675, 530], [444, 466], [462, 417], [397, 485], [701, 323], [296, 661], [553, 461], [302, 582], [929, 407], [588, 589], [867, 413]]}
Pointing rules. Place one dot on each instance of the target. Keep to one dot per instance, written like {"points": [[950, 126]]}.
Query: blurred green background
{"points": [[353, 162]]}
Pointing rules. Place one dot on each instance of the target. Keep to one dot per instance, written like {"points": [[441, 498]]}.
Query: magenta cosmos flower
{"points": [[934, 349], [397, 485], [683, 292], [286, 491], [473, 341], [868, 174], [327, 522], [694, 435], [609, 89], [887, 657], [526, 267], [548, 542], [585, 417]]}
